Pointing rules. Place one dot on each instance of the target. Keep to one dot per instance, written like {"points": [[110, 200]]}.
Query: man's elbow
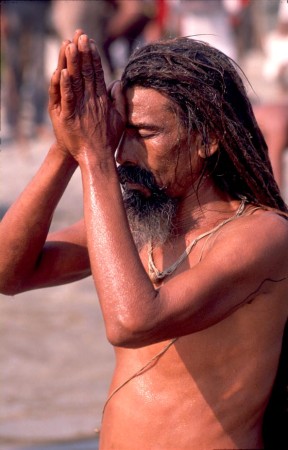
{"points": [[10, 286], [9, 290], [128, 334]]}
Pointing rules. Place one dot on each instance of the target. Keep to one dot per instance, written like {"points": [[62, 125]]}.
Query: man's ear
{"points": [[213, 147]]}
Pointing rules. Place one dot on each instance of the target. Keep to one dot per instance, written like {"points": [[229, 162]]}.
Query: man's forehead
{"points": [[146, 102]]}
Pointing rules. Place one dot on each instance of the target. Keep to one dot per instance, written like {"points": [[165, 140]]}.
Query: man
{"points": [[191, 273], [273, 120]]}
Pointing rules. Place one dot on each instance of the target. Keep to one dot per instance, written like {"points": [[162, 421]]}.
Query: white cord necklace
{"points": [[156, 274]]}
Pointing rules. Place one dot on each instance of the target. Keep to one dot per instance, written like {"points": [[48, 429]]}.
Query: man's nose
{"points": [[124, 152]]}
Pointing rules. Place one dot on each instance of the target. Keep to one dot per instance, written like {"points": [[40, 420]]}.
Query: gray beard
{"points": [[150, 219]]}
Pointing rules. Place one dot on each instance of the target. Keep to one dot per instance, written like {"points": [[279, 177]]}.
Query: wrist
{"points": [[90, 161], [57, 150]]}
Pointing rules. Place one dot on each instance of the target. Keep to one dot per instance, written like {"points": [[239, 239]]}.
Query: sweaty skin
{"points": [[226, 304]]}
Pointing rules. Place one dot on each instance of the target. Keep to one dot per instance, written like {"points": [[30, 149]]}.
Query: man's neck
{"points": [[203, 208]]}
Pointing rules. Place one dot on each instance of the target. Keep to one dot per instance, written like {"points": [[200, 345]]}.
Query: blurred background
{"points": [[55, 362]]}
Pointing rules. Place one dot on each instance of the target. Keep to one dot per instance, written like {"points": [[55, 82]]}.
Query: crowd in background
{"points": [[32, 32]]}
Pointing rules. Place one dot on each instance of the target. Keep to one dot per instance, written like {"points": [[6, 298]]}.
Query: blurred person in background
{"points": [[23, 30], [93, 16], [117, 25], [247, 24], [272, 118], [275, 45], [125, 29], [272, 114], [210, 21]]}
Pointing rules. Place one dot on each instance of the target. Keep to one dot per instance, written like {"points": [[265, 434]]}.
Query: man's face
{"points": [[156, 141], [155, 164]]}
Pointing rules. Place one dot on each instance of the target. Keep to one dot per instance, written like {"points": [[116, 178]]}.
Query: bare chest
{"points": [[215, 380]]}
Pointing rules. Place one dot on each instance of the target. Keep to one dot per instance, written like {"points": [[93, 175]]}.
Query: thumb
{"points": [[118, 99]]}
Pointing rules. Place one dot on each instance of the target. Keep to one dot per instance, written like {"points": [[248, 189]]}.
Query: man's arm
{"points": [[26, 261]]}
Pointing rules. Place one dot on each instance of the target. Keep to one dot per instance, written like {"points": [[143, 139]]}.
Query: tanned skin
{"points": [[226, 303]]}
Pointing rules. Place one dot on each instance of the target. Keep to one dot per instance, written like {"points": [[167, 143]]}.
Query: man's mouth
{"points": [[132, 186], [137, 178]]}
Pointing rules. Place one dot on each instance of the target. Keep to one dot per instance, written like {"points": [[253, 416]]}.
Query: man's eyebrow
{"points": [[143, 126]]}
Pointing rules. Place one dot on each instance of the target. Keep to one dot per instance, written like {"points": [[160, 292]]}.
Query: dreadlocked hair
{"points": [[204, 85]]}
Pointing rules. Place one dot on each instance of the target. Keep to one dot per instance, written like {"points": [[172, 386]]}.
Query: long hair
{"points": [[207, 89]]}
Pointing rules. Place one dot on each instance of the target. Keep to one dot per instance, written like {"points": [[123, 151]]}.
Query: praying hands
{"points": [[85, 116]]}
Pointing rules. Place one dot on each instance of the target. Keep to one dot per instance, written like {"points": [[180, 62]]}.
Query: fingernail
{"points": [[83, 37]]}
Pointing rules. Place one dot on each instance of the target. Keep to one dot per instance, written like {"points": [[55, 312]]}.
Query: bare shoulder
{"points": [[268, 223], [258, 240], [265, 228]]}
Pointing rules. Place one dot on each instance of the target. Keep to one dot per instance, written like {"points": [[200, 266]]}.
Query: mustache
{"points": [[137, 175]]}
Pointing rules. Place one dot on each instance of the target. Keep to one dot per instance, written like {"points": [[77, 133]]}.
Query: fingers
{"points": [[90, 62], [76, 36], [67, 96], [62, 63], [79, 70], [73, 66], [98, 71], [86, 62], [54, 90]]}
